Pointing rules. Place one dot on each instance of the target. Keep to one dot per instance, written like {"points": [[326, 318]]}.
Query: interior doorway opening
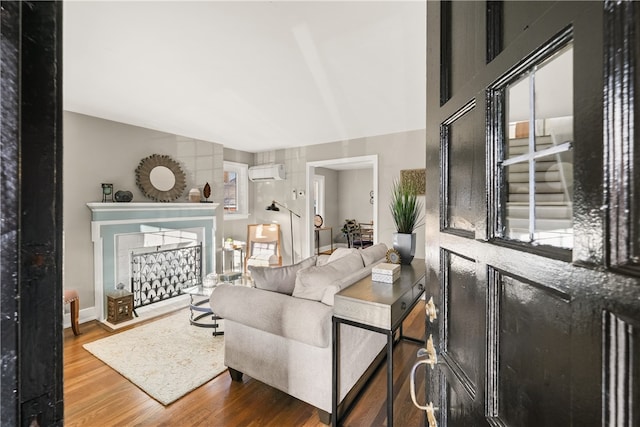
{"points": [[362, 166]]}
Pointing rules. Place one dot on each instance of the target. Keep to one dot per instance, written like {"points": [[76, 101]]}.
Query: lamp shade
{"points": [[273, 207]]}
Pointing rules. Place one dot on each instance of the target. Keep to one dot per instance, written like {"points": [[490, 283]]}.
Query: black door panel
{"points": [[532, 236]]}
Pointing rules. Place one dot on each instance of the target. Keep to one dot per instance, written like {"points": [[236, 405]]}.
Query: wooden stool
{"points": [[71, 297]]}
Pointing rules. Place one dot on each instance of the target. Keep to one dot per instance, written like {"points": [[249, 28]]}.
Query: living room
{"points": [[115, 145], [115, 148]]}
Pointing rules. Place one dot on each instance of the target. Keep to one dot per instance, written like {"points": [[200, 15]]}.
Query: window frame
{"points": [[497, 132], [242, 190]]}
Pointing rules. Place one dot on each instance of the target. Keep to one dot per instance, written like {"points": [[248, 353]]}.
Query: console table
{"points": [[317, 232], [379, 307]]}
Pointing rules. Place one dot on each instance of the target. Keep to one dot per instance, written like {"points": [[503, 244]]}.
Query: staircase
{"points": [[553, 196]]}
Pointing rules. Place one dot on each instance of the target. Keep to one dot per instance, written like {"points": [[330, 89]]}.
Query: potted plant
{"points": [[407, 212]]}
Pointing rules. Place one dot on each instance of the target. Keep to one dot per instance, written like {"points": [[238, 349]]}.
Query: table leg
{"points": [[198, 312], [331, 237], [335, 371], [390, 379]]}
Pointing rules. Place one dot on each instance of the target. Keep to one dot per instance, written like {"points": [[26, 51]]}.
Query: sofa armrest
{"points": [[349, 280], [295, 318]]}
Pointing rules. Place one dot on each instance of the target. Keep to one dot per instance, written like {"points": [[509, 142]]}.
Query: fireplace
{"points": [[130, 238], [162, 274]]}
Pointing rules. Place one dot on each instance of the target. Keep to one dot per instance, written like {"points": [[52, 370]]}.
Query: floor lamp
{"points": [[274, 207]]}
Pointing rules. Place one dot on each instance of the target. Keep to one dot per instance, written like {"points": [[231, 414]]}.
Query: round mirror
{"points": [[160, 178]]}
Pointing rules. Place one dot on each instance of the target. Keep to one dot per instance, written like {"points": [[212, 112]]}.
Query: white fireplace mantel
{"points": [[109, 220], [133, 209]]}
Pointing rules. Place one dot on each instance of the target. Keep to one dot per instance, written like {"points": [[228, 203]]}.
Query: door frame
{"points": [[371, 160]]}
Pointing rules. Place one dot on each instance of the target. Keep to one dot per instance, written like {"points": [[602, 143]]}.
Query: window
{"points": [[535, 152], [236, 205]]}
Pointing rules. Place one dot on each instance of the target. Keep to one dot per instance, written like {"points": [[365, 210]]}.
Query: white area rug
{"points": [[166, 358]]}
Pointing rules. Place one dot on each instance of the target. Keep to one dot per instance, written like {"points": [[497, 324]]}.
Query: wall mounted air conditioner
{"points": [[269, 172]]}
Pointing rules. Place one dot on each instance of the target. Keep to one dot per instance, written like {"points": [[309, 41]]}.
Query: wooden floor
{"points": [[96, 395]]}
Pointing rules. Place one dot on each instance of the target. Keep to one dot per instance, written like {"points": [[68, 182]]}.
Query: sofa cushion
{"points": [[322, 259], [373, 253], [312, 282], [279, 279], [334, 288], [341, 252], [298, 319]]}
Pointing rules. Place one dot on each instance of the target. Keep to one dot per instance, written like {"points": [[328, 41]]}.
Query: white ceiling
{"points": [[252, 76]]}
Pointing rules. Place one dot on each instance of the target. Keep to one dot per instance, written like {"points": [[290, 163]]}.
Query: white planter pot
{"points": [[405, 244]]}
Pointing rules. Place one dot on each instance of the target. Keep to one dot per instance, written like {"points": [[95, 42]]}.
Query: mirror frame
{"points": [[143, 175]]}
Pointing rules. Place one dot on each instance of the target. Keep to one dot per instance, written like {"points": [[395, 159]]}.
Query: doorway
{"points": [[344, 165]]}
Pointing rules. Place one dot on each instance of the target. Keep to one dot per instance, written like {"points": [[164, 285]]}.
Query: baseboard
{"points": [[325, 248], [144, 313], [86, 315]]}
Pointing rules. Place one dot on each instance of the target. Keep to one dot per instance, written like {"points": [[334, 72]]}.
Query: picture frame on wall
{"points": [[417, 176]]}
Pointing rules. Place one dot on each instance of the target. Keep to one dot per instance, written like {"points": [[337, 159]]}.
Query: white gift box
{"points": [[385, 272]]}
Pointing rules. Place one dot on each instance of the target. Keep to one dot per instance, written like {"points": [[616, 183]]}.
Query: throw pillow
{"points": [[279, 279], [263, 247], [340, 252], [312, 282], [373, 253]]}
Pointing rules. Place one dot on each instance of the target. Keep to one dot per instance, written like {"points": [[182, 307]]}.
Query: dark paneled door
{"points": [[532, 227]]}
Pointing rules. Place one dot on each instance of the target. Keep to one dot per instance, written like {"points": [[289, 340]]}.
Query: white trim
{"points": [[144, 313], [124, 209], [149, 220], [308, 241], [320, 197], [144, 206], [86, 315]]}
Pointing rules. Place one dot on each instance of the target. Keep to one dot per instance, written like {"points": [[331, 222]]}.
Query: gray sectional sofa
{"points": [[279, 331]]}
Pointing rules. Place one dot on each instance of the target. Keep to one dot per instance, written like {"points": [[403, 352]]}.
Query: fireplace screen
{"points": [[159, 275]]}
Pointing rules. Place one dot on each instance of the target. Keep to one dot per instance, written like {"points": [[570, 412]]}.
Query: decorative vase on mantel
{"points": [[405, 244]]}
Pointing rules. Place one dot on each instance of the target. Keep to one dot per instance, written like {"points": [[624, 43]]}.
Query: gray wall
{"points": [[97, 151], [331, 205], [353, 197], [395, 152]]}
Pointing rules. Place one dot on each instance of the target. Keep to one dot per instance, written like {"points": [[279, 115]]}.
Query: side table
{"points": [[229, 257], [119, 306], [317, 233], [199, 308], [379, 307]]}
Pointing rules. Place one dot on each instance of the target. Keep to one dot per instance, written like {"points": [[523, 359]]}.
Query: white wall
{"points": [[395, 152], [97, 151]]}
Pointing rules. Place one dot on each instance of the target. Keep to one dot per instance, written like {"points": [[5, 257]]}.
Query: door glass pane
{"points": [[519, 112], [554, 200], [517, 215], [554, 100], [545, 148]]}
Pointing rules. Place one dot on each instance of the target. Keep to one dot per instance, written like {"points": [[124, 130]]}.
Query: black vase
{"points": [[123, 196]]}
